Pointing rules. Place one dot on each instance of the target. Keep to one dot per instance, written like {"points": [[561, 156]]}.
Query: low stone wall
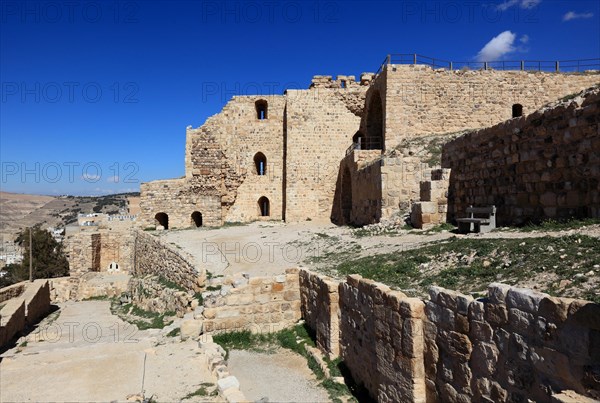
{"points": [[319, 296], [542, 166], [12, 291], [37, 301], [264, 304], [24, 310], [514, 345], [382, 340], [150, 294], [12, 320], [152, 256]]}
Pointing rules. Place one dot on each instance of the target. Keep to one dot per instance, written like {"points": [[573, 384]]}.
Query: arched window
{"points": [[163, 219], [197, 218], [260, 162], [517, 110], [263, 206], [261, 109]]}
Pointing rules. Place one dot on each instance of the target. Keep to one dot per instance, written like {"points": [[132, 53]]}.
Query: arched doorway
{"points": [[197, 219], [517, 110], [264, 207], [260, 162], [346, 198], [375, 140], [162, 219]]}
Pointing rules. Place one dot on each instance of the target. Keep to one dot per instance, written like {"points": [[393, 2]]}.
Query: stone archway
{"points": [[162, 219], [197, 219], [264, 207]]}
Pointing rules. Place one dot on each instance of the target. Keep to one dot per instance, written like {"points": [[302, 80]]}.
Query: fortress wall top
{"points": [[418, 100]]}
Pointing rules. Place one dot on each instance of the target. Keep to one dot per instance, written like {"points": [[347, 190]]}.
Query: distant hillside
{"points": [[23, 210]]}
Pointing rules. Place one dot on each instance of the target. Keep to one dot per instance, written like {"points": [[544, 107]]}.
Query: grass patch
{"points": [[560, 225], [165, 282], [174, 333], [141, 318], [213, 288], [203, 390], [469, 265], [97, 298]]}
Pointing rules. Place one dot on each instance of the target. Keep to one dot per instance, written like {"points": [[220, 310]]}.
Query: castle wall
{"points": [[178, 198], [513, 345], [545, 165], [152, 256], [420, 100], [95, 250], [320, 124], [263, 305]]}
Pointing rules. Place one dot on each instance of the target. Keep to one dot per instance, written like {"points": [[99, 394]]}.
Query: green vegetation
{"points": [[557, 225], [203, 390], [174, 333], [469, 265], [294, 339], [165, 282], [49, 260], [141, 318], [213, 287]]}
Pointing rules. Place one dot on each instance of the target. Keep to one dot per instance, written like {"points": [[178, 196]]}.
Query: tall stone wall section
{"points": [[320, 123], [152, 256], [515, 345], [544, 165], [420, 100], [262, 305], [320, 309], [381, 340], [94, 250]]}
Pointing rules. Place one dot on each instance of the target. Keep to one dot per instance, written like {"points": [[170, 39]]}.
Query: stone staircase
{"points": [[433, 206]]}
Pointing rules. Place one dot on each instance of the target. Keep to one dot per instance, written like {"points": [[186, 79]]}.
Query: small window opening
{"points": [[261, 109], [260, 162], [517, 110], [263, 205]]}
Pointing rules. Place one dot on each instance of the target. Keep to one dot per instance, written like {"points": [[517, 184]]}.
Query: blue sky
{"points": [[96, 95]]}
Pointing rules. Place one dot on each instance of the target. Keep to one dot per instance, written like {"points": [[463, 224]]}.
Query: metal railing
{"points": [[556, 66], [365, 144]]}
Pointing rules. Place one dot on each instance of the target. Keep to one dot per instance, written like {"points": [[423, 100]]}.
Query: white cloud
{"points": [[524, 39], [525, 4], [572, 15], [496, 48]]}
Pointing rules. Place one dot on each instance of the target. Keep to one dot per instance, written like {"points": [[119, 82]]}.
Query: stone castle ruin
{"points": [[334, 151]]}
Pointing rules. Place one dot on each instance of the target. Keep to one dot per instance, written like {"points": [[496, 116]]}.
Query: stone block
{"points": [[228, 382], [191, 329], [497, 293], [524, 299]]}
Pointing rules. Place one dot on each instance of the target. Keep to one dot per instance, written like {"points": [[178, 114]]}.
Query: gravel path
{"points": [[281, 377], [88, 354]]}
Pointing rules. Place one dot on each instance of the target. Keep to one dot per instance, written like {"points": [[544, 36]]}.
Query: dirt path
{"points": [[88, 354], [267, 248], [280, 377]]}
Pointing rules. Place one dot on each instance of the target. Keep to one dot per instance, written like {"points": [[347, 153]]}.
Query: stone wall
{"points": [[263, 304], [95, 250], [381, 340], [12, 291], [24, 310], [319, 129], [152, 256], [544, 165], [514, 345], [320, 309], [151, 294], [419, 100]]}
